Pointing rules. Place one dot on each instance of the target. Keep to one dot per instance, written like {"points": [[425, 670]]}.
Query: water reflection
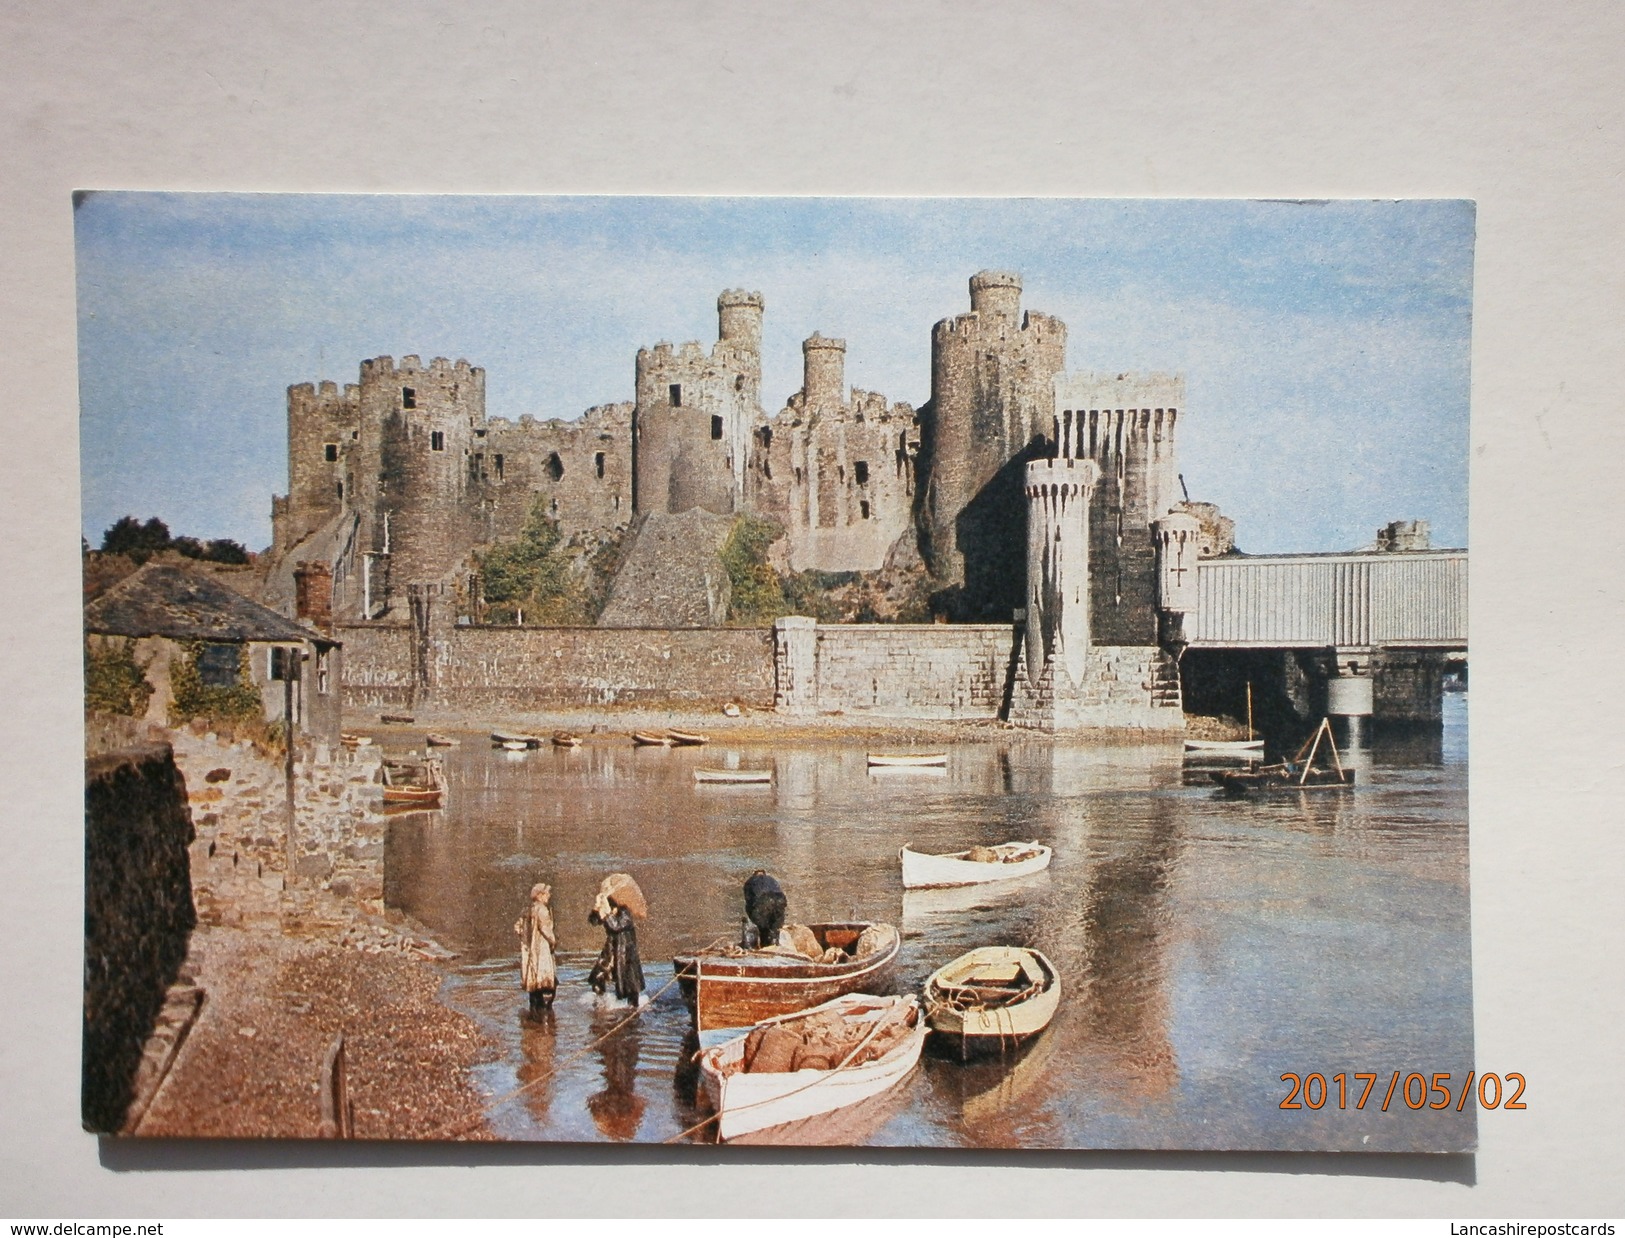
{"points": [[1205, 944]]}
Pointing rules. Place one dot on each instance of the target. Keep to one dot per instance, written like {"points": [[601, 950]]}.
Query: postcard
{"points": [[982, 673]]}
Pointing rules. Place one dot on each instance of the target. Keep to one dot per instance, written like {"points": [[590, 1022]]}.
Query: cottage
{"points": [[191, 636]]}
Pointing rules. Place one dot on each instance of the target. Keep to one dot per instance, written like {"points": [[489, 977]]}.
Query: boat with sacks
{"points": [[810, 1062], [730, 989], [992, 999], [972, 866]]}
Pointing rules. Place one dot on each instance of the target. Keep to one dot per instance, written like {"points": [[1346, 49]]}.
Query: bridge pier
{"points": [[1351, 695]]}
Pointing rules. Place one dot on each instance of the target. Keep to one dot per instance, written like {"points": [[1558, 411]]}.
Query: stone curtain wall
{"points": [[475, 667], [893, 670], [138, 915]]}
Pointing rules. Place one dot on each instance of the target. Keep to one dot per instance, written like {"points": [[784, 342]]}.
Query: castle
{"points": [[398, 478]]}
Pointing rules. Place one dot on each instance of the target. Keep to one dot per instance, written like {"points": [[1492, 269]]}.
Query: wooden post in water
{"points": [[338, 1114]]}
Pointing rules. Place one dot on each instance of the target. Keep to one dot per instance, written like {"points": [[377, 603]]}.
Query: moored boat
{"points": [[564, 739], [648, 739], [351, 740], [420, 785], [733, 989], [973, 866], [908, 760], [993, 998], [1299, 774], [688, 739], [810, 1062], [396, 718], [733, 775], [436, 740], [507, 739], [1216, 746]]}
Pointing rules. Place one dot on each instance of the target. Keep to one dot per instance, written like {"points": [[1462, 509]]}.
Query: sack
{"points": [[801, 939]]}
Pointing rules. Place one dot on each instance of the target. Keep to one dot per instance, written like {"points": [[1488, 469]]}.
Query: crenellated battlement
{"points": [[734, 298], [1060, 476], [385, 367]]}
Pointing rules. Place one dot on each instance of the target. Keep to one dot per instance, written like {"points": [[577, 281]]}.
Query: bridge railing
{"points": [[1414, 599]]}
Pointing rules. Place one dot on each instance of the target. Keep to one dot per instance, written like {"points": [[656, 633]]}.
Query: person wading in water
{"points": [[536, 943], [618, 904]]}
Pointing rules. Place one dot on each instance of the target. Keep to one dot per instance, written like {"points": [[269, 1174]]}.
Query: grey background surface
{"points": [[1515, 105]]}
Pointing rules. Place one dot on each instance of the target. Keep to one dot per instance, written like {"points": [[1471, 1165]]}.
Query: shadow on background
{"points": [[182, 1156]]}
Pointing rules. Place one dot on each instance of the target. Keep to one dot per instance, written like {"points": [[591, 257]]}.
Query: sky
{"points": [[1325, 345]]}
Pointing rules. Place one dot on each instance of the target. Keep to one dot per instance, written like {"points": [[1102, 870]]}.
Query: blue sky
{"points": [[1325, 345]]}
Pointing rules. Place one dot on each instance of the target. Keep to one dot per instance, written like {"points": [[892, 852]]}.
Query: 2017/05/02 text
{"points": [[1418, 1091]]}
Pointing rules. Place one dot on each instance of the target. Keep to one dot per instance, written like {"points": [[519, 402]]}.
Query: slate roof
{"points": [[163, 600]]}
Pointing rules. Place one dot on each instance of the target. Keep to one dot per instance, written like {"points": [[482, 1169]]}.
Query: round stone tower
{"points": [[739, 337], [823, 383], [996, 294], [1058, 493]]}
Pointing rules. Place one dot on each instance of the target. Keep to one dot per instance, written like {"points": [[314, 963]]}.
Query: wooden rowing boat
{"points": [[974, 866], [564, 739], [733, 775], [396, 718], [908, 760], [507, 739], [436, 740], [688, 739], [734, 989], [351, 740], [886, 1035], [420, 785], [647, 739], [992, 999]]}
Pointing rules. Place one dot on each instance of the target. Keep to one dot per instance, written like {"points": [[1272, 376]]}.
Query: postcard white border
{"points": [[1511, 104]]}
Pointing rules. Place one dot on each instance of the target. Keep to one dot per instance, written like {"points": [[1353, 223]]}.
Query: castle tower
{"points": [[417, 432], [992, 401], [823, 368], [1057, 637], [322, 428], [692, 420], [1126, 424], [1179, 544]]}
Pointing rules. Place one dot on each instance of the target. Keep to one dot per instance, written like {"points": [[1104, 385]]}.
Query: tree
{"points": [[140, 541], [532, 574]]}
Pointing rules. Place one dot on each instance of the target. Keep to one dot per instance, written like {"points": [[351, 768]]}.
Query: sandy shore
{"points": [[608, 723], [251, 1065]]}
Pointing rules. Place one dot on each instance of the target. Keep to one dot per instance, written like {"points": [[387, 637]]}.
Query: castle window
{"points": [[676, 392], [598, 463], [330, 451], [716, 427], [476, 466], [840, 472], [767, 437], [798, 476], [497, 461], [555, 466], [554, 507], [863, 509], [409, 397], [860, 472], [767, 469], [322, 666], [437, 440], [341, 492]]}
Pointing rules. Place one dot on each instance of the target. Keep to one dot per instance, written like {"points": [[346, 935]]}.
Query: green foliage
{"points": [[192, 698], [114, 683], [811, 593], [140, 541], [534, 575], [756, 596]]}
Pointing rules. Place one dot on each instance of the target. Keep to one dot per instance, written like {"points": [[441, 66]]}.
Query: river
{"points": [[1207, 945]]}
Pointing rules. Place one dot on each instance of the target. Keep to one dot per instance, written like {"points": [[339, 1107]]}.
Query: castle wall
{"points": [[992, 396], [581, 470], [893, 670], [1126, 424], [482, 668], [840, 479]]}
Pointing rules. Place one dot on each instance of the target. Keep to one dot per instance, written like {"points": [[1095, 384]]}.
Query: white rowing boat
{"points": [[747, 1100], [908, 760], [733, 775], [973, 866], [1224, 745], [992, 998], [512, 740]]}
